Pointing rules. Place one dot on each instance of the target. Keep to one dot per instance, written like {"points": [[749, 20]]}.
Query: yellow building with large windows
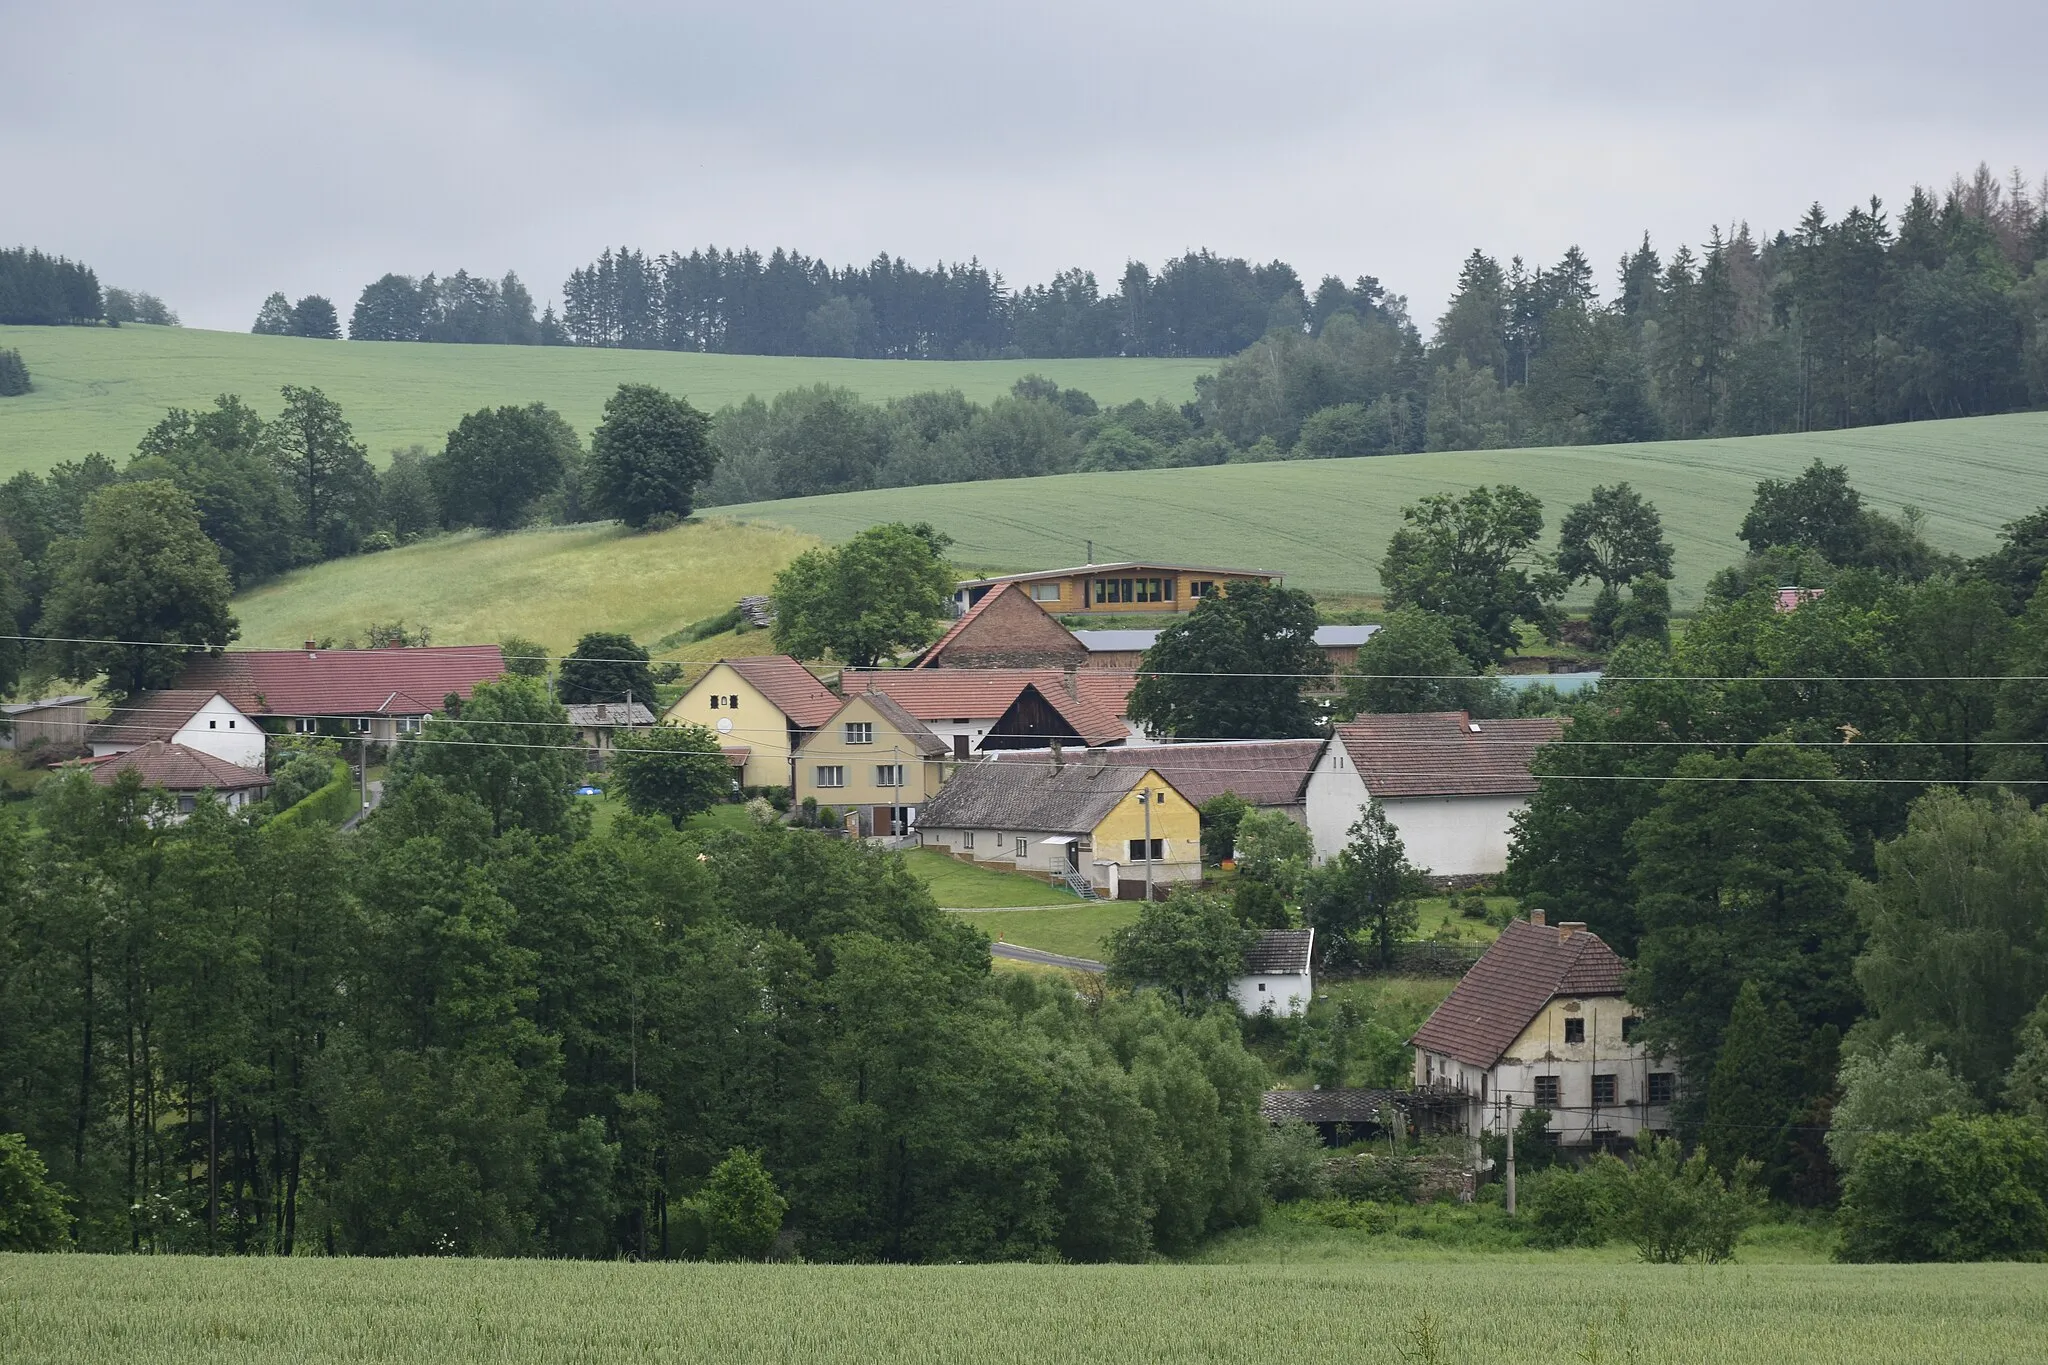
{"points": [[1129, 588]]}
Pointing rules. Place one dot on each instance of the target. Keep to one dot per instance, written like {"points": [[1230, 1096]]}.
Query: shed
{"points": [[1277, 978], [52, 720]]}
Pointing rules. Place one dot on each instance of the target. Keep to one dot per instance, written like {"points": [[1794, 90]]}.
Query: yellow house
{"points": [[1127, 588], [760, 708], [1114, 826], [875, 759]]}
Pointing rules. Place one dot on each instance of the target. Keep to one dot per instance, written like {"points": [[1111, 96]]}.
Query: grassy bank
{"points": [[968, 886], [85, 1310], [1074, 930]]}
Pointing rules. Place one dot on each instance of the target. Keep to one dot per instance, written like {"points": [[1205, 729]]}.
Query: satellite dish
{"points": [[724, 725]]}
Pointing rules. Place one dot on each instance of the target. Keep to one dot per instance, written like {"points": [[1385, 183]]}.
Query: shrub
{"points": [[298, 778], [1962, 1189], [1294, 1163], [741, 1209], [32, 1216], [661, 521], [1575, 1208], [13, 375], [1680, 1209], [1380, 1179]]}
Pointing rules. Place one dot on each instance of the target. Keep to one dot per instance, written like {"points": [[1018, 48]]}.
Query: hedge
{"points": [[333, 804]]}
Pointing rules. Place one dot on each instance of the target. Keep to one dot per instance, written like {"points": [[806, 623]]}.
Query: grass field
{"points": [[100, 389], [965, 886], [549, 585], [87, 1310], [1325, 523], [1075, 929]]}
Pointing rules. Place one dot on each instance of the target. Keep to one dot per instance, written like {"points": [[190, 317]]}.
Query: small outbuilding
{"points": [[51, 720], [1277, 978], [596, 723]]}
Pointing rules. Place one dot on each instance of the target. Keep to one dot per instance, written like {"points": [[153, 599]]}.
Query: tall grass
{"points": [[78, 1310]]}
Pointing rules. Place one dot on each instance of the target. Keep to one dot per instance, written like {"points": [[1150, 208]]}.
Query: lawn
{"points": [[605, 809], [1432, 914], [1325, 523], [550, 585], [1074, 930], [94, 1310], [966, 886], [100, 388]]}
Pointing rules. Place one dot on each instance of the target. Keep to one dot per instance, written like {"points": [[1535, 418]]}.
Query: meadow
{"points": [[549, 584], [969, 886], [1597, 1307], [100, 388], [1325, 523]]}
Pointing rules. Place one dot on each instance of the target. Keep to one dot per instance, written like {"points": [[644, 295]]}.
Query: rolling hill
{"points": [[1325, 523], [101, 388]]}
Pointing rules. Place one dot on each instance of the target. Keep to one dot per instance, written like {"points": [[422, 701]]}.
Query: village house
{"points": [[1122, 651], [200, 720], [1276, 979], [1451, 785], [760, 708], [183, 774], [976, 710], [596, 723], [1540, 1022], [875, 759], [379, 695], [1005, 629], [1087, 822], [58, 721], [1270, 774], [1131, 588]]}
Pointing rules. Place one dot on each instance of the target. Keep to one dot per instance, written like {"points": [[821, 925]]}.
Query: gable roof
{"points": [[1071, 798], [1280, 952], [1446, 753], [1527, 966], [1094, 710], [789, 687], [1265, 772], [1330, 1106], [900, 720], [598, 715], [1120, 566], [343, 682], [150, 716], [177, 768]]}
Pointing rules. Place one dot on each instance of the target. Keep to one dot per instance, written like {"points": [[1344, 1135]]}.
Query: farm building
{"points": [[1267, 773], [1277, 979], [1450, 784], [197, 719], [1088, 821], [876, 759], [979, 709], [1540, 1020], [1124, 650], [184, 773], [760, 708], [1131, 588], [597, 722], [374, 694], [1005, 629], [52, 720]]}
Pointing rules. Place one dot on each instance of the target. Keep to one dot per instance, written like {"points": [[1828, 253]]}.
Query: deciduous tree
{"points": [[1235, 667], [1472, 559], [884, 590], [648, 456]]}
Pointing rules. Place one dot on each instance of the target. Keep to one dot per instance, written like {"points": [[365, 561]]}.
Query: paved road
{"points": [[1017, 952], [376, 794]]}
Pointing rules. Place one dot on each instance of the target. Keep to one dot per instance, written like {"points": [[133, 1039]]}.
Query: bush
{"points": [[1962, 1189], [661, 521], [298, 778], [13, 375], [1680, 1209], [32, 1216], [1294, 1163], [741, 1209], [333, 804], [1575, 1208]]}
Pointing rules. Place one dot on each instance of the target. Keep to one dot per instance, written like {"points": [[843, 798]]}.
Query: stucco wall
{"points": [[1279, 994], [218, 728], [756, 724], [827, 747], [1450, 836]]}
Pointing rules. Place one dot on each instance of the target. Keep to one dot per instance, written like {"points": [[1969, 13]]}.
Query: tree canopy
{"points": [[648, 456], [883, 590], [1236, 667], [1472, 559]]}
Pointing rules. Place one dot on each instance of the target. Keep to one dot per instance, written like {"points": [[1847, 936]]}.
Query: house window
{"points": [[1115, 590], [1629, 1024], [860, 732], [1603, 1088], [213, 725], [1661, 1088], [1023, 847], [967, 839], [187, 804], [1045, 592], [1138, 850], [231, 725], [360, 724], [407, 725], [1546, 1092], [1575, 1030], [1167, 584], [305, 725], [715, 700], [1201, 587], [888, 774], [832, 776]]}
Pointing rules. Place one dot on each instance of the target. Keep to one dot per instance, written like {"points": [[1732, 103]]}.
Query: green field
{"points": [[1325, 523], [967, 886], [1075, 929], [100, 389], [92, 1310], [551, 585]]}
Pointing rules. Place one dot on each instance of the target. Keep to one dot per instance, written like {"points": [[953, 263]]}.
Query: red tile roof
{"points": [[177, 768], [344, 682], [906, 725], [789, 687], [150, 715], [1527, 967], [1265, 772], [1094, 710], [1446, 753]]}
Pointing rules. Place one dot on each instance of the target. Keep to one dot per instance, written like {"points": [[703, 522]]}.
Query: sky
{"points": [[212, 153]]}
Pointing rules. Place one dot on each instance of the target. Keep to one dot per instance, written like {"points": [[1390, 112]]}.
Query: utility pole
{"points": [[1145, 800], [1511, 1155], [363, 772]]}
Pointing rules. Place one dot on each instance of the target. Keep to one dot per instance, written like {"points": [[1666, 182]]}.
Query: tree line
{"points": [[474, 1027], [40, 290]]}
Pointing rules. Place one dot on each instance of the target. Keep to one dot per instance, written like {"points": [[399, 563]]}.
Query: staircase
{"points": [[1079, 885]]}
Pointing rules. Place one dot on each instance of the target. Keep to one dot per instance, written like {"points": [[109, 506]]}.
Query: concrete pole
{"points": [[1511, 1157], [1145, 800]]}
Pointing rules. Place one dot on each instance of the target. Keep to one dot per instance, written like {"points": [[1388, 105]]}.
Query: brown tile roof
{"points": [[1329, 1106], [1446, 753], [905, 724], [150, 715], [177, 768], [1265, 772], [1280, 952], [344, 682], [1069, 799], [1527, 966], [1094, 711], [789, 687]]}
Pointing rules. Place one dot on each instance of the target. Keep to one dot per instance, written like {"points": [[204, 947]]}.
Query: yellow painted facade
{"points": [[828, 747], [1173, 819], [741, 718], [1544, 1038]]}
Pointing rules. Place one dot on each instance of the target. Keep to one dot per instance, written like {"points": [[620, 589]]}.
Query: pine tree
{"points": [[1755, 1094]]}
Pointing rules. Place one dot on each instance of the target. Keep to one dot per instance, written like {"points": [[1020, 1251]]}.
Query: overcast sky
{"points": [[211, 153]]}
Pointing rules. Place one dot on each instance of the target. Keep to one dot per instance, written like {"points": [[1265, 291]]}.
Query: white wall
{"points": [[1281, 994], [1336, 796], [221, 730], [1449, 836]]}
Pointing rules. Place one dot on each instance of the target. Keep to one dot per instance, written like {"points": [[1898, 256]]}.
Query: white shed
{"points": [[1277, 978]]}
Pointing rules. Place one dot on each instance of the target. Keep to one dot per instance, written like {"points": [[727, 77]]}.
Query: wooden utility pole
{"points": [[1511, 1156]]}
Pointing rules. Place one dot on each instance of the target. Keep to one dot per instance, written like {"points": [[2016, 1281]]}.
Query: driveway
{"points": [[1017, 952]]}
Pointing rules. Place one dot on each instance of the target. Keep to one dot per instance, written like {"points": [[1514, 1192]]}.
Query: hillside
{"points": [[1326, 523], [549, 585], [100, 388]]}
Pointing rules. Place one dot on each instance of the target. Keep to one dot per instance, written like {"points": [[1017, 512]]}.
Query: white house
{"points": [[1540, 1022], [185, 773], [196, 719], [1276, 976], [1450, 784]]}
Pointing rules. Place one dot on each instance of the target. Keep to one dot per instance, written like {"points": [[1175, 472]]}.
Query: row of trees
{"points": [[475, 1028], [41, 290], [461, 308]]}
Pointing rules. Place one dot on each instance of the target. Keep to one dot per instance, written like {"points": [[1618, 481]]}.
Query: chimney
{"points": [[311, 646], [1072, 682], [1570, 927], [1536, 918], [1059, 759]]}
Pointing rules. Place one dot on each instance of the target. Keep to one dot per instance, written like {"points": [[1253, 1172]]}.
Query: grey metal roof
{"points": [[24, 707], [1040, 798], [1119, 641], [1280, 952], [597, 715], [1341, 637]]}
